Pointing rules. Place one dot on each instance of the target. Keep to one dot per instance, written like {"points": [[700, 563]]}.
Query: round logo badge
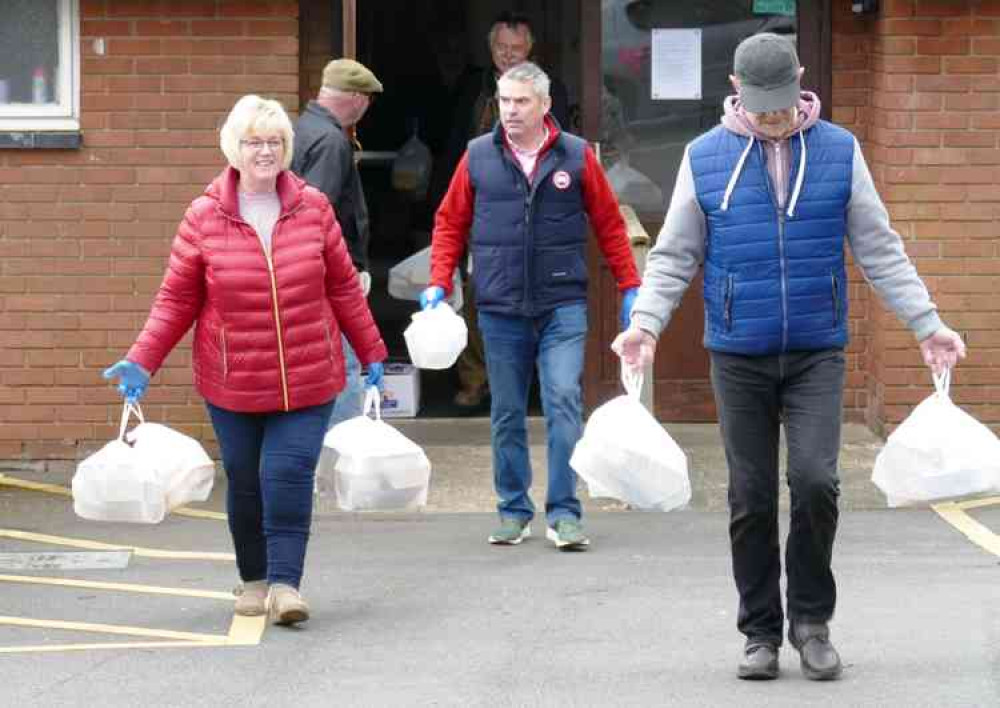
{"points": [[561, 179]]}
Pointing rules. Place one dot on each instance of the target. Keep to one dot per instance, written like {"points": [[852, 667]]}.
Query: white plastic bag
{"points": [[180, 462], [411, 169], [626, 454], [371, 465], [412, 275], [938, 452], [142, 475], [436, 337], [114, 484]]}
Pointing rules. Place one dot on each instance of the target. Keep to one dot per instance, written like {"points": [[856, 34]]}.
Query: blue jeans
{"points": [[514, 345], [349, 401], [270, 460]]}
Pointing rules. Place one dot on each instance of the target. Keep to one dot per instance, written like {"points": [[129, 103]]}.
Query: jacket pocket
{"points": [[225, 353], [329, 343], [727, 311]]}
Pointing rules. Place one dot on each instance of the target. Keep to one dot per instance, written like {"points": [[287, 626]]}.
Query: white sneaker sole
{"points": [[525, 533], [550, 534]]}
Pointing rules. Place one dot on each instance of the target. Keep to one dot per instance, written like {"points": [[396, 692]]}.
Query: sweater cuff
{"points": [[648, 323], [926, 325]]}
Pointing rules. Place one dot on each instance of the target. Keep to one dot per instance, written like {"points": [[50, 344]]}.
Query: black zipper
{"points": [[729, 302]]}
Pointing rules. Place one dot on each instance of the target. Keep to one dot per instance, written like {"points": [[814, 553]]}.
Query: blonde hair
{"points": [[253, 115]]}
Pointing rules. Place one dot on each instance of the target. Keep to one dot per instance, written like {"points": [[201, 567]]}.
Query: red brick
{"points": [[161, 65], [970, 65], [970, 139], [105, 28], [218, 28], [895, 45], [162, 28], [940, 121], [908, 27], [972, 102], [986, 45]]}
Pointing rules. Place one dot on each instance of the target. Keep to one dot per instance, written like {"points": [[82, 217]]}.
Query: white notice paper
{"points": [[676, 64]]}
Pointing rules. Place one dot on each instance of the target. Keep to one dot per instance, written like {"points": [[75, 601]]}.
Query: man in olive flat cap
{"points": [[324, 157], [766, 203]]}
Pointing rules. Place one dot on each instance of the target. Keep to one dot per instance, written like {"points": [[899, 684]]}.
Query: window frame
{"points": [[64, 115]]}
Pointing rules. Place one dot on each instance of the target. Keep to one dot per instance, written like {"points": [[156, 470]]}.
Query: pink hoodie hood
{"points": [[735, 118], [776, 152]]}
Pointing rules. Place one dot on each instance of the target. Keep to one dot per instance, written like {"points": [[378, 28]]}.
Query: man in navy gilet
{"points": [[521, 200], [765, 201]]}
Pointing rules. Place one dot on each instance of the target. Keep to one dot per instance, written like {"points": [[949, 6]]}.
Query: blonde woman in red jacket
{"points": [[260, 268]]}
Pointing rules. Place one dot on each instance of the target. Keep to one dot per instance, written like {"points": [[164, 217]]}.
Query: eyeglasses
{"points": [[256, 144]]}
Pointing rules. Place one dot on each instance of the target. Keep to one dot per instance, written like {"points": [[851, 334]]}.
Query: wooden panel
{"points": [[681, 388]]}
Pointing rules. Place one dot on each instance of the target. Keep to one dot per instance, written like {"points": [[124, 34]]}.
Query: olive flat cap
{"points": [[349, 75]]}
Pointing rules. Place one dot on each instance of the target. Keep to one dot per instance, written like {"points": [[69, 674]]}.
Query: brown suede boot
{"points": [[286, 605], [251, 598]]}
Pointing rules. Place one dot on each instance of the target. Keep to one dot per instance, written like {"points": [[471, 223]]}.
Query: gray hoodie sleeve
{"points": [[878, 250], [674, 260]]}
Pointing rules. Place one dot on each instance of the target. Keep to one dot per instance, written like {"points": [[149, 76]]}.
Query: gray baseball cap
{"points": [[768, 69]]}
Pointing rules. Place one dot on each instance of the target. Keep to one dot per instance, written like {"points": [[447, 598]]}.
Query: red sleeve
{"points": [[177, 302], [612, 237], [451, 226]]}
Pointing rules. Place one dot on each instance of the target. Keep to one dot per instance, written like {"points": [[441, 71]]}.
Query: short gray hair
{"points": [[529, 73], [510, 20], [253, 115]]}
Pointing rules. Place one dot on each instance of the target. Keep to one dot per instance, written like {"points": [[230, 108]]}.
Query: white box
{"points": [[401, 398]]}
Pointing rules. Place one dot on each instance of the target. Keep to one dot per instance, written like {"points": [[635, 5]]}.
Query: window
{"points": [[643, 138], [39, 65]]}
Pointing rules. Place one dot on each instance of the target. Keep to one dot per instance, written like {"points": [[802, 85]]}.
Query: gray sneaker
{"points": [[568, 535], [511, 532]]}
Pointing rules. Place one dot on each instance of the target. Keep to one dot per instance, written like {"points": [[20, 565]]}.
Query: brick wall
{"points": [[84, 234], [919, 84]]}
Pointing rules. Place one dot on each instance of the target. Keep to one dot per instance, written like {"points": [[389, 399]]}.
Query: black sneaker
{"points": [[820, 661], [759, 662]]}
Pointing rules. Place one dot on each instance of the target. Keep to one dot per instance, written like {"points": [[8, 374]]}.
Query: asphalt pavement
{"points": [[418, 610]]}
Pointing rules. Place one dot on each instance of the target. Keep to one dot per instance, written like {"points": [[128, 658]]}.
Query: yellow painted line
{"points": [[50, 648], [67, 492], [976, 503], [117, 587], [111, 629], [246, 631], [954, 514], [98, 545]]}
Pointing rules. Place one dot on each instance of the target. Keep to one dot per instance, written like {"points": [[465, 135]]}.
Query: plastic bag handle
{"points": [[631, 380], [942, 382], [373, 402], [128, 409]]}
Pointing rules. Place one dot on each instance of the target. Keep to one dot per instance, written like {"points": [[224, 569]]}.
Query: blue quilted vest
{"points": [[528, 240], [774, 282]]}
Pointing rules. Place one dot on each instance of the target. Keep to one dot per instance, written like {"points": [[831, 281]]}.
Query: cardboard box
{"points": [[401, 398]]}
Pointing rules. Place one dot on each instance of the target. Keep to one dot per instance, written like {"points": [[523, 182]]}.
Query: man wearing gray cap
{"points": [[324, 157], [764, 202]]}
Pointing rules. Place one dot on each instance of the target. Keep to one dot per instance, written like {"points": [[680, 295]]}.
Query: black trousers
{"points": [[755, 395]]}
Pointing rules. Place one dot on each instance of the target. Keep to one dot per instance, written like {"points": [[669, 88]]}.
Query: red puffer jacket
{"points": [[268, 330]]}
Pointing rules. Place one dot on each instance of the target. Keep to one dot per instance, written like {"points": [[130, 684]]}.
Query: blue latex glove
{"points": [[431, 297], [376, 372], [132, 379], [628, 302]]}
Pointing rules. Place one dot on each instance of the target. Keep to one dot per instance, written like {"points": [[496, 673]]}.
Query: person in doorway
{"points": [[511, 42], [324, 156], [261, 269], [764, 201], [520, 200]]}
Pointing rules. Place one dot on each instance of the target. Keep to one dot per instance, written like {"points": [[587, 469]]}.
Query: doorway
{"points": [[431, 57]]}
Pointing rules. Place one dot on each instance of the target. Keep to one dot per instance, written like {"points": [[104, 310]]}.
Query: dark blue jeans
{"points": [[555, 341], [755, 396], [270, 461]]}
